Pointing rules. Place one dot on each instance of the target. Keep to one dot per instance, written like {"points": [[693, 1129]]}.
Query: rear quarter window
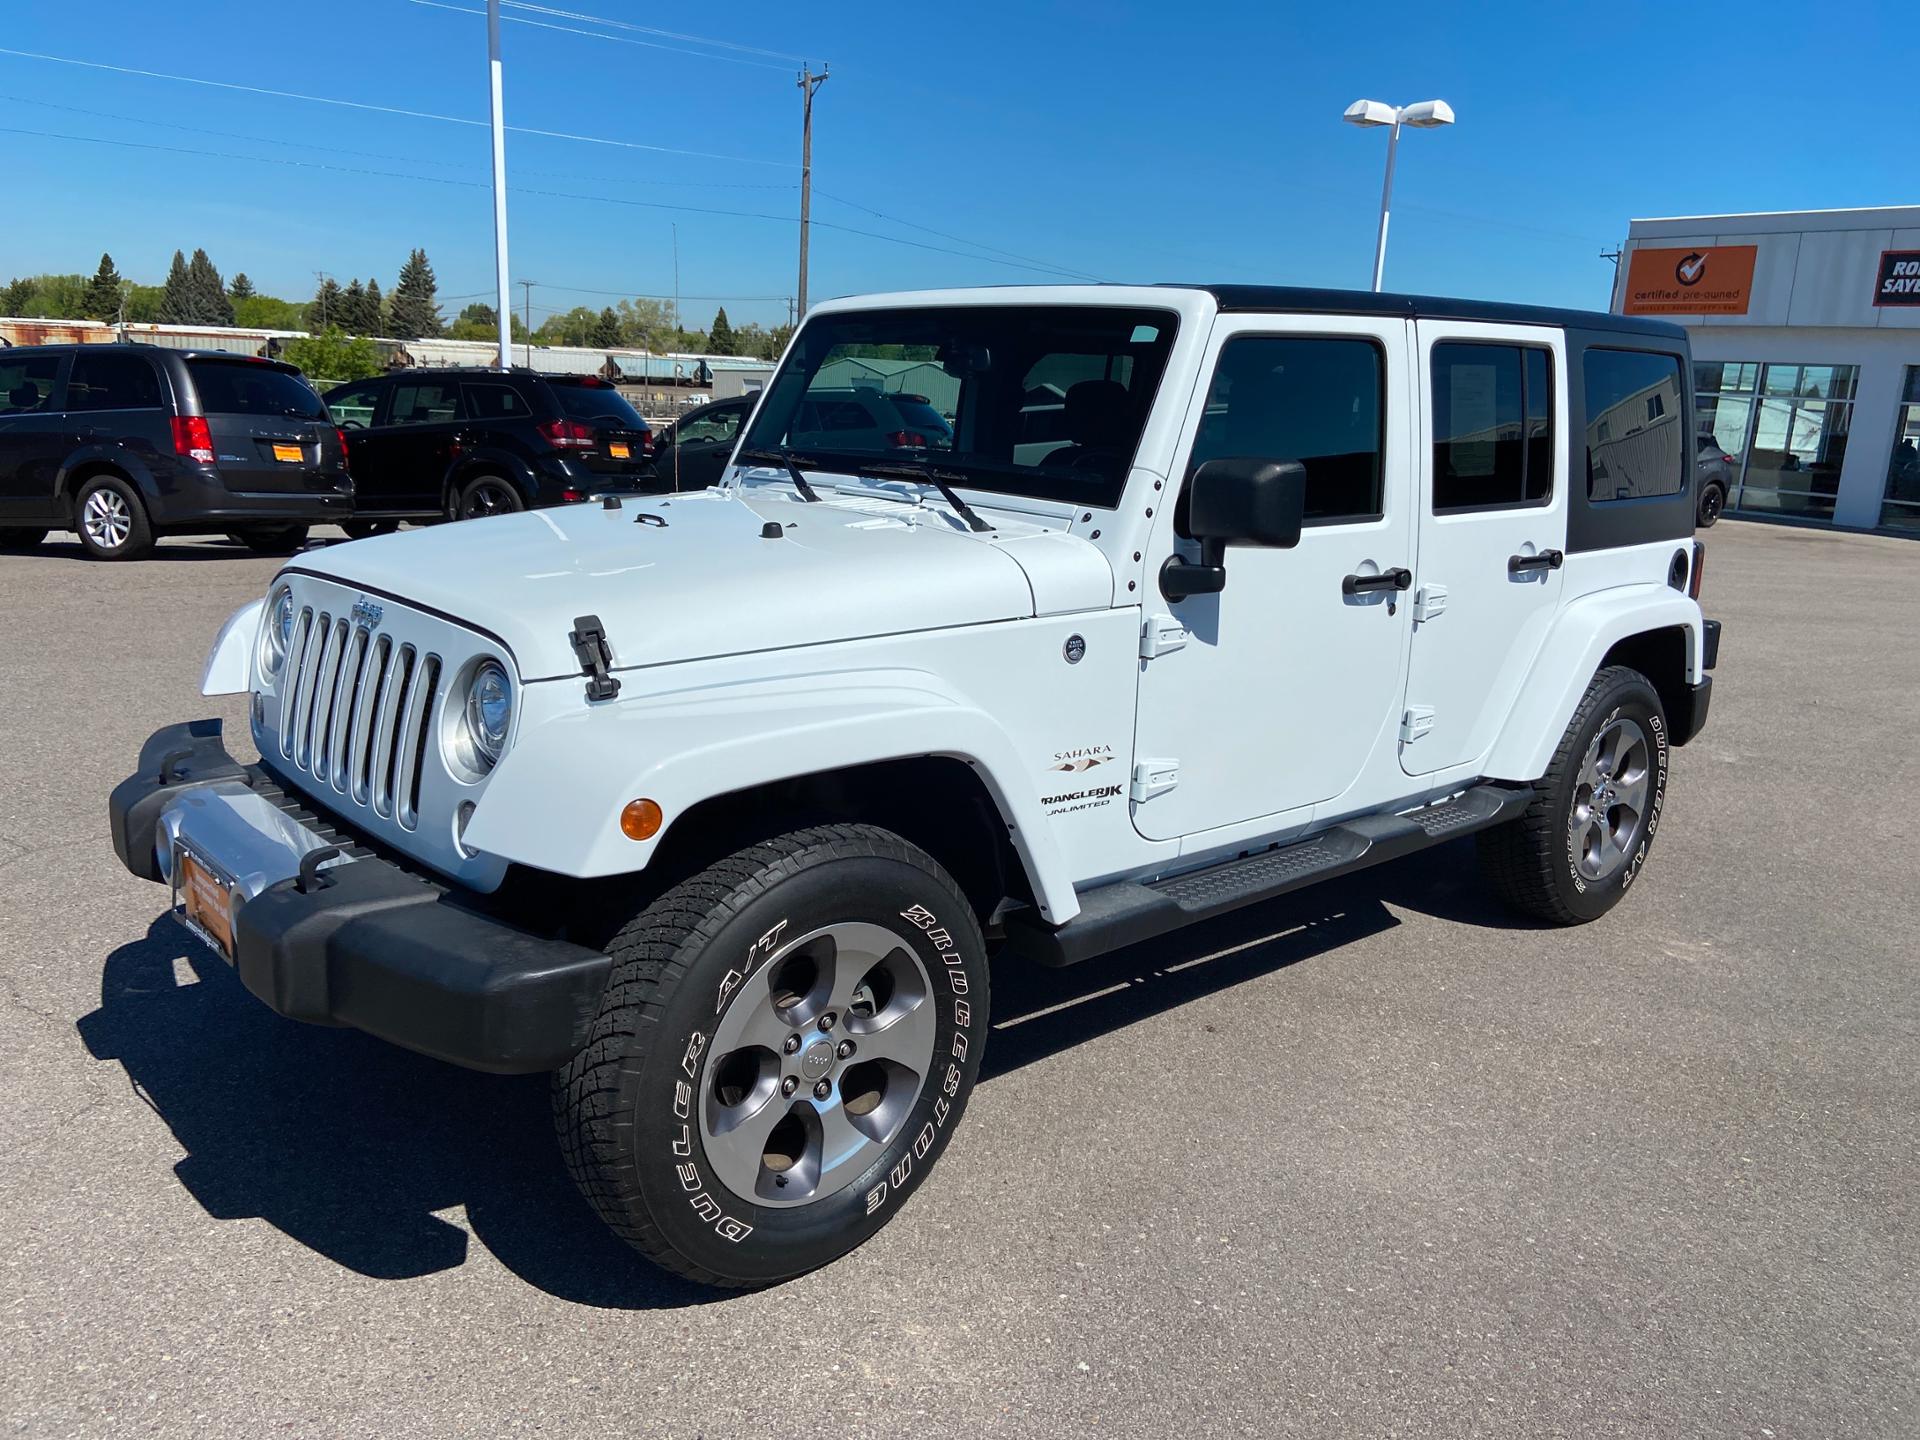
{"points": [[1636, 425], [242, 387]]}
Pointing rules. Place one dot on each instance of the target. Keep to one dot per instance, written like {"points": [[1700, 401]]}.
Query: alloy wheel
{"points": [[1610, 800], [106, 518], [487, 497]]}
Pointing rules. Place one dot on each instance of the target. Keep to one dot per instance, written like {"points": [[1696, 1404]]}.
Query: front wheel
{"points": [[489, 495], [785, 1046], [1571, 855]]}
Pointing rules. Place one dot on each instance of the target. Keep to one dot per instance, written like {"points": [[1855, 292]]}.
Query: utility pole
{"points": [[503, 304], [529, 286], [808, 82], [677, 324]]}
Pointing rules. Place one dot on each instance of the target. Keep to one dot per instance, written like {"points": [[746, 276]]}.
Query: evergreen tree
{"points": [[16, 297], [324, 312], [376, 309], [103, 291], [360, 311], [210, 303], [412, 312], [720, 337], [241, 288], [176, 299], [606, 330]]}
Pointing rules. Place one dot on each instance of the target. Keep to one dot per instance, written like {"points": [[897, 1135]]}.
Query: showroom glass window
{"points": [[1785, 425], [1902, 508]]}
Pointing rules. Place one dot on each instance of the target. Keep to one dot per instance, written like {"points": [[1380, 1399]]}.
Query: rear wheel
{"points": [[111, 521], [270, 539], [1712, 501], [488, 495], [785, 1045], [15, 537]]}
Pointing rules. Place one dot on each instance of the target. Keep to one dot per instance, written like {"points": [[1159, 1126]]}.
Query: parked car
{"points": [[857, 418], [460, 444], [711, 803], [692, 452], [124, 443], [1715, 467]]}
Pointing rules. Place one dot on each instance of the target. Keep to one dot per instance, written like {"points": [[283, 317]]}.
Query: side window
{"points": [[26, 385], [713, 427], [1312, 399], [1635, 443], [495, 402], [424, 403], [1492, 426], [113, 382], [354, 409]]}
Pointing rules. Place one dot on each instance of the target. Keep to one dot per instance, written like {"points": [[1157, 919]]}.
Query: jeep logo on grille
{"points": [[366, 613]]}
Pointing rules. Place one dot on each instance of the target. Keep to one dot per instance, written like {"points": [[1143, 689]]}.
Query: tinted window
{"points": [[598, 403], [27, 385], [113, 382], [496, 402], [353, 406], [429, 402], [1492, 427], [1635, 443], [711, 427], [921, 416], [245, 387], [1317, 401]]}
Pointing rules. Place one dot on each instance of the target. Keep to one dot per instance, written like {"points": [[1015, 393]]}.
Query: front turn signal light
{"points": [[640, 820]]}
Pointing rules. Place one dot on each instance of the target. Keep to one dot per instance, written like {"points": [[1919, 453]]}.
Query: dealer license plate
{"points": [[617, 450], [292, 454], [206, 900]]}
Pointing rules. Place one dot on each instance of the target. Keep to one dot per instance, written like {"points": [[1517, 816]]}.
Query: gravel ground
{"points": [[1377, 1160]]}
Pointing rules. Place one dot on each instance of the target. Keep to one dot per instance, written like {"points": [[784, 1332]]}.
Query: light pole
{"points": [[503, 297], [1427, 115]]}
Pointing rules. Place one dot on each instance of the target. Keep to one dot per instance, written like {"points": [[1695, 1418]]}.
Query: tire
{"points": [[270, 539], [660, 1117], [111, 521], [487, 495], [1712, 501], [365, 529], [1562, 860], [16, 537]]}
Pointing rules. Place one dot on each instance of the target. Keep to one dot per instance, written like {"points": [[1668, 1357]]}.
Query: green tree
{"points": [[103, 291], [330, 355], [324, 311], [376, 309], [480, 322], [606, 330], [264, 312], [210, 303], [176, 301], [359, 310], [241, 288], [16, 297], [413, 311], [720, 336], [144, 302]]}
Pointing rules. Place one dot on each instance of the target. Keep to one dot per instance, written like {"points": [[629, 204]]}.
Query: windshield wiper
{"points": [[785, 460], [926, 474]]}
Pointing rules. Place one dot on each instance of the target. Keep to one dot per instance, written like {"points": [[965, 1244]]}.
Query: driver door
{"points": [[1274, 695]]}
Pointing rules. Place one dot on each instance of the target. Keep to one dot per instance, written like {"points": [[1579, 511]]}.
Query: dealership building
{"points": [[1806, 345]]}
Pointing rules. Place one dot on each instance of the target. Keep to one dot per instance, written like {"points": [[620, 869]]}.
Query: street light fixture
{"points": [[1427, 115]]}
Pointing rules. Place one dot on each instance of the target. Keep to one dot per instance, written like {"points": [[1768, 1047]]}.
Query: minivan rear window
{"points": [[245, 387], [601, 403]]}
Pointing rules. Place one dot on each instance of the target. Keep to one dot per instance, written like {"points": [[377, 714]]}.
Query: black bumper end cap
{"points": [[174, 758], [1692, 718]]}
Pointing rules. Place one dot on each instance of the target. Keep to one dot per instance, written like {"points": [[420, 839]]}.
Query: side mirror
{"points": [[1235, 500]]}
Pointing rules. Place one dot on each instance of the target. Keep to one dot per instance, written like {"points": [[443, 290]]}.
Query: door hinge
{"points": [[1161, 634], [1416, 722], [1430, 600], [1154, 777]]}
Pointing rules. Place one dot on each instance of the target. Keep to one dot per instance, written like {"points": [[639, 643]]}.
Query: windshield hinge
{"points": [[589, 640], [1160, 634]]}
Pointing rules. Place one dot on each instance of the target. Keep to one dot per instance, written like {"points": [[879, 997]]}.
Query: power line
{"points": [[596, 35], [960, 239], [653, 30]]}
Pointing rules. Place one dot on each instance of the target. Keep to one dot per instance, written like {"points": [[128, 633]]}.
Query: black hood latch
{"points": [[589, 640]]}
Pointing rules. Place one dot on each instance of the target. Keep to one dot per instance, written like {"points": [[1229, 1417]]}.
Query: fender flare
{"points": [[1568, 660], [229, 667], [554, 801]]}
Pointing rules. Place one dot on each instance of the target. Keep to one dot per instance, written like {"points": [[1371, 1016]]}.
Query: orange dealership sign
{"points": [[1690, 280]]}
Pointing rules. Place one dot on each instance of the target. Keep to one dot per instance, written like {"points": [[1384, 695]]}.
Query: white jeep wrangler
{"points": [[1162, 602]]}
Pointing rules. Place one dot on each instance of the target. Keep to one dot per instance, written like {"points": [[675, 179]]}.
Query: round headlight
{"points": [[278, 634], [489, 710]]}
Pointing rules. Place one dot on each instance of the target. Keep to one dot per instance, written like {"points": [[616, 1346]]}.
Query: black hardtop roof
{"points": [[1306, 300]]}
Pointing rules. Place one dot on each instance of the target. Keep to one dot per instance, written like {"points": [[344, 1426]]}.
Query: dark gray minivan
{"points": [[124, 443]]}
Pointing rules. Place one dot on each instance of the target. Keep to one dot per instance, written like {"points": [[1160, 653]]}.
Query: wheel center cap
{"points": [[817, 1059]]}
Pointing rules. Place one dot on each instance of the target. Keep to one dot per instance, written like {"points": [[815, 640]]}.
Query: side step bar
{"points": [[1113, 916]]}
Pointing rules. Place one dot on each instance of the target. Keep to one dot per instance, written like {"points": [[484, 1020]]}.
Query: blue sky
{"points": [[1123, 141]]}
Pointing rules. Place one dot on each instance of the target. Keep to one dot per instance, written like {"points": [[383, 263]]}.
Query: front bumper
{"points": [[355, 940]]}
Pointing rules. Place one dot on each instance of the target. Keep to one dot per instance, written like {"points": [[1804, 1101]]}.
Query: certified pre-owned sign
{"points": [[1899, 282], [1690, 280]]}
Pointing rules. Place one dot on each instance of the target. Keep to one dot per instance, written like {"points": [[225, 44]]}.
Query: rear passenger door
{"points": [[1493, 526], [417, 437]]}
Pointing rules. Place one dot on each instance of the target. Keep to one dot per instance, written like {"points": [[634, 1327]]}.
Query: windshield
{"points": [[597, 401], [1047, 401], [245, 387]]}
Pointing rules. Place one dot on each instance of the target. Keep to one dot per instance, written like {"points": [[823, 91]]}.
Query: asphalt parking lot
{"points": [[1379, 1160]]}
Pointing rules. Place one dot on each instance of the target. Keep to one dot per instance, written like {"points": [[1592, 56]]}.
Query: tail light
{"points": [[192, 438], [1699, 570], [566, 434], [571, 496], [907, 440], [343, 446], [646, 444]]}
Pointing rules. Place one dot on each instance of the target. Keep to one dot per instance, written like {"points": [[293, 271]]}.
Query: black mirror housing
{"points": [[1240, 500]]}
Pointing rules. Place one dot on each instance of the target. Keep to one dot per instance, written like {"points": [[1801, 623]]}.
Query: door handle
{"points": [[1399, 579], [1545, 560]]}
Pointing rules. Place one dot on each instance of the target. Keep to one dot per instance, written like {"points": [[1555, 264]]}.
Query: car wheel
{"points": [[270, 539], [488, 495], [786, 1044], [365, 529], [111, 521], [1573, 853], [1712, 501], [15, 537]]}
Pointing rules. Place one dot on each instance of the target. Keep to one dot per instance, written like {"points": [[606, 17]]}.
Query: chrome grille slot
{"points": [[346, 706], [386, 751], [316, 685], [326, 692], [366, 719], [296, 658], [416, 722]]}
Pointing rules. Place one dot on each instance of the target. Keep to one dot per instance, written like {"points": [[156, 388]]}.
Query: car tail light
{"points": [[1699, 570], [192, 438], [343, 446], [567, 434], [907, 440], [1726, 459], [646, 444], [571, 496]]}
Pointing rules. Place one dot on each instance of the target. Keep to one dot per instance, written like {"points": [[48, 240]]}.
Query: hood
{"points": [[685, 577]]}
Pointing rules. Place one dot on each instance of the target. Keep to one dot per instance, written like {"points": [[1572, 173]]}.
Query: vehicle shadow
{"points": [[354, 1148]]}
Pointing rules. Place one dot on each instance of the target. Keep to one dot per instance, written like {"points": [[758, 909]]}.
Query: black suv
{"points": [[123, 443], [459, 444], [694, 450]]}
